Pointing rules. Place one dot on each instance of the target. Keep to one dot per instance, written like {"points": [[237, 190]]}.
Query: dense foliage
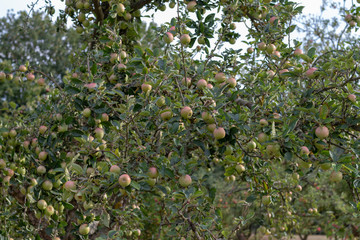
{"points": [[179, 140]]}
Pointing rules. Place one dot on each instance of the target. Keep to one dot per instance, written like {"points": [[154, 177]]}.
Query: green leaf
{"points": [[311, 52], [135, 185], [105, 219]]}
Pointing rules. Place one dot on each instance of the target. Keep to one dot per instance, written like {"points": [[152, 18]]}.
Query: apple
{"points": [[352, 97], [352, 23], [146, 87], [43, 155], [219, 133], [283, 71], [30, 77], [168, 37], [266, 200], [310, 72], [84, 229], [191, 6], [322, 132], [86, 112], [114, 57], [166, 115], [104, 117], [2, 76], [172, 4], [49, 210], [12, 133], [115, 169], [185, 39], [209, 86], [201, 40], [270, 48], [270, 73], [137, 232], [99, 133], [9, 172], [348, 17], [41, 204], [124, 180], [304, 151], [326, 166], [220, 77], [69, 185], [9, 76], [251, 145], [22, 68], [276, 53], [263, 122], [262, 137], [231, 82], [336, 176], [298, 188], [185, 180], [41, 169], [262, 46], [151, 181], [161, 101], [211, 127], [202, 83], [127, 17], [240, 168], [2, 163], [153, 173], [295, 176], [120, 9], [186, 112], [250, 50], [273, 19], [207, 117], [187, 82], [298, 52], [47, 185], [232, 26], [272, 150]]}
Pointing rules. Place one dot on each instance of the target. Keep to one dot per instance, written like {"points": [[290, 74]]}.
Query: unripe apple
{"points": [[172, 4], [12, 133], [298, 52], [49, 210], [352, 97], [270, 48], [211, 127], [137, 232], [161, 101], [127, 16], [153, 173], [86, 112], [336, 176], [146, 87], [41, 169], [266, 200], [185, 180], [201, 40], [304, 151], [220, 77], [166, 115], [99, 133], [9, 172], [151, 181], [168, 37], [202, 83], [322, 132], [276, 53], [186, 112], [120, 9], [124, 180], [84, 229], [262, 46], [115, 169], [310, 72], [22, 68], [43, 155], [41, 204], [231, 82], [185, 39], [263, 122], [207, 117], [240, 168], [262, 137], [219, 133], [47, 185], [326, 166], [191, 6], [90, 171], [251, 145], [272, 150], [70, 185]]}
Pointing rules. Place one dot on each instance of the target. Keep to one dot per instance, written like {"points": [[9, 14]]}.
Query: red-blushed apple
{"points": [[153, 173], [263, 122], [352, 23], [9, 172], [298, 188], [120, 9], [220, 77], [250, 50], [202, 83], [22, 68], [232, 82], [69, 186], [43, 155], [47, 185], [240, 168], [270, 73], [137, 232], [166, 115], [273, 19], [99, 133], [219, 133], [191, 6], [304, 151], [185, 180], [124, 180], [270, 48], [186, 112], [115, 169], [86, 112], [6, 180], [352, 97], [310, 72], [26, 144], [49, 210], [84, 229], [168, 37], [322, 132], [41, 204], [262, 137], [336, 176], [185, 39], [187, 82], [262, 46], [30, 77], [41, 170], [266, 200], [104, 117], [41, 82], [211, 127], [146, 87], [209, 86], [276, 53], [91, 86], [282, 71], [298, 52]]}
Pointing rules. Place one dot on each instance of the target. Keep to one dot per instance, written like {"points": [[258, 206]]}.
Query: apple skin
{"points": [[273, 19], [283, 71], [49, 210], [240, 168], [219, 133], [43, 155], [146, 87], [298, 52], [201, 84], [167, 115], [251, 145], [12, 133], [99, 133], [322, 132], [250, 50], [185, 39], [310, 72], [186, 112], [262, 137], [304, 151], [84, 229], [336, 176], [153, 173], [262, 46], [191, 6], [47, 185], [22, 68], [207, 117], [352, 97], [2, 76], [2, 163], [326, 166], [41, 169], [220, 77], [185, 180], [124, 180], [270, 48], [70, 185], [115, 169], [187, 82], [41, 204], [231, 82], [263, 122], [211, 127], [298, 188], [86, 112], [168, 37]]}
